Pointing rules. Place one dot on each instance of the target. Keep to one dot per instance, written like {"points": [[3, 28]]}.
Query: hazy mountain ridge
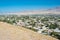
{"points": [[55, 10]]}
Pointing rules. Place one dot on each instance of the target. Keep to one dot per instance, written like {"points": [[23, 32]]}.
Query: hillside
{"points": [[10, 32]]}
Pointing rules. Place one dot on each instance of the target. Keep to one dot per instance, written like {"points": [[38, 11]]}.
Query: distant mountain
{"points": [[55, 10]]}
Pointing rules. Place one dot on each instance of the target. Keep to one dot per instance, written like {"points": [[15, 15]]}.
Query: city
{"points": [[43, 24]]}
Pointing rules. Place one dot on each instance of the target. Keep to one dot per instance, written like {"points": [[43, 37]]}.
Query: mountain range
{"points": [[55, 10]]}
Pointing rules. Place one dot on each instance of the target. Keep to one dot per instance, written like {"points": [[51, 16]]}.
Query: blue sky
{"points": [[21, 5]]}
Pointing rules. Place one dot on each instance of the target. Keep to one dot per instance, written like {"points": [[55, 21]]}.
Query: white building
{"points": [[43, 28], [29, 26], [20, 23], [57, 30]]}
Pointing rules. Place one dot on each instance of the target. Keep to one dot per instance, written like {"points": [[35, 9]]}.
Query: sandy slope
{"points": [[10, 32]]}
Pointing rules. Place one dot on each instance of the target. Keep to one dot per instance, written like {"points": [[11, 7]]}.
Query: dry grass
{"points": [[10, 32]]}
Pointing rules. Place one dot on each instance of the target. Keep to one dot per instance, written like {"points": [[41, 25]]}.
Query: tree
{"points": [[53, 26]]}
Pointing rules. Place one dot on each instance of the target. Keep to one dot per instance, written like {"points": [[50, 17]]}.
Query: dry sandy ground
{"points": [[10, 32]]}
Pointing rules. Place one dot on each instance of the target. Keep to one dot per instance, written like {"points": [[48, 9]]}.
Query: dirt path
{"points": [[10, 32]]}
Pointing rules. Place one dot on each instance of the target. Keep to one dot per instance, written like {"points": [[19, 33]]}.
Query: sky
{"points": [[23, 5]]}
